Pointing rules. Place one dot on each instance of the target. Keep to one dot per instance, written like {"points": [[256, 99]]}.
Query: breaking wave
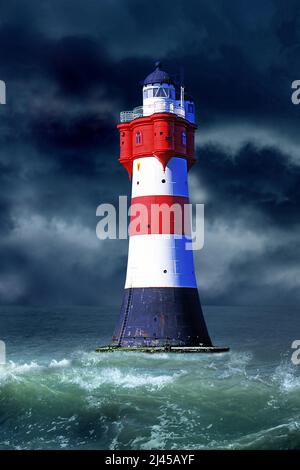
{"points": [[139, 401]]}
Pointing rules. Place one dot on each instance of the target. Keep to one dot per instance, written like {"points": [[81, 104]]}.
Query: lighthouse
{"points": [[161, 306]]}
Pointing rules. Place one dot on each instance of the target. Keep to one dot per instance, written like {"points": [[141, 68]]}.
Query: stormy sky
{"points": [[71, 66]]}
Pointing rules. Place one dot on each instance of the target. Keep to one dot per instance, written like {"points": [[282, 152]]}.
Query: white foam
{"points": [[58, 364], [15, 371], [89, 380], [285, 376]]}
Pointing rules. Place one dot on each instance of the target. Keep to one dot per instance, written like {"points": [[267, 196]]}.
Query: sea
{"points": [[56, 392]]}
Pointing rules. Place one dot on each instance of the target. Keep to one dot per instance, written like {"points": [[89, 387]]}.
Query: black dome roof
{"points": [[158, 76]]}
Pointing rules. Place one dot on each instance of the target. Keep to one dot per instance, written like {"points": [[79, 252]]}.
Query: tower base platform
{"points": [[167, 348]]}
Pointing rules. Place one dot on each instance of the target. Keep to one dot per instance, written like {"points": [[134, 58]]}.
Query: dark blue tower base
{"points": [[161, 316]]}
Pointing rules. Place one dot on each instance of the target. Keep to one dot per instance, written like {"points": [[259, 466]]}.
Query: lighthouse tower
{"points": [[161, 305]]}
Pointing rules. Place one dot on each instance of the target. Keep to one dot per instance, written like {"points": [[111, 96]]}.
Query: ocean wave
{"points": [[14, 371], [139, 401], [91, 379], [274, 437], [54, 364], [287, 377]]}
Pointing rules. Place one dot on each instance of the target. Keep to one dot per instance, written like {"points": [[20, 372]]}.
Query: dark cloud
{"points": [[263, 179], [87, 131], [70, 67]]}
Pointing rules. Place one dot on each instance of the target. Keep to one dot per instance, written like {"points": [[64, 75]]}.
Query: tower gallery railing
{"points": [[147, 110]]}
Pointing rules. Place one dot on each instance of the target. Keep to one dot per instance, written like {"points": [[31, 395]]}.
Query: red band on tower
{"points": [[160, 215]]}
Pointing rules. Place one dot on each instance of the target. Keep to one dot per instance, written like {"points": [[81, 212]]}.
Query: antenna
{"points": [[182, 76], [181, 86]]}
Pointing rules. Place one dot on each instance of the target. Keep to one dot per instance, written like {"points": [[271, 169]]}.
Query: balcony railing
{"points": [[147, 110]]}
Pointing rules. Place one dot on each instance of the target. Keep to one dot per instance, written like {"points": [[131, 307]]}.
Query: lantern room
{"points": [[162, 94], [159, 94]]}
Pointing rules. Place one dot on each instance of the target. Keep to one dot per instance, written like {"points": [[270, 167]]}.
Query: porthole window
{"points": [[138, 138], [137, 182], [165, 271], [183, 138], [163, 181]]}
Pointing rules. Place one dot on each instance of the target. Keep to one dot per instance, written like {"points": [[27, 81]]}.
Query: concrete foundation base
{"points": [[169, 349]]}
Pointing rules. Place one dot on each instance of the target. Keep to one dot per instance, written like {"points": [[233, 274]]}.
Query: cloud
{"points": [[55, 256], [12, 288], [231, 138], [70, 68], [254, 258]]}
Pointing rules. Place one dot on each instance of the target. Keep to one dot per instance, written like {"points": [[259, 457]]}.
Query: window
{"points": [[183, 138], [138, 138], [164, 92], [161, 92], [145, 94]]}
